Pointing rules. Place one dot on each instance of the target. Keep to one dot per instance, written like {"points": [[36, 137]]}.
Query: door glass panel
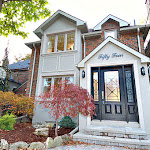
{"points": [[129, 86], [112, 89], [95, 85]]}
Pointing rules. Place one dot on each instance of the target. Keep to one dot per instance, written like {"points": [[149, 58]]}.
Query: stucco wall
{"points": [[57, 63]]}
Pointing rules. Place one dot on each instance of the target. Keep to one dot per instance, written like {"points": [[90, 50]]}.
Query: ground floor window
{"points": [[50, 81]]}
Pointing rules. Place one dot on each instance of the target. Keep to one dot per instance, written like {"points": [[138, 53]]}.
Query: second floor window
{"points": [[112, 33], [61, 42]]}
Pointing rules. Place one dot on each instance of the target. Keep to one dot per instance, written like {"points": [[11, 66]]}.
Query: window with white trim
{"points": [[50, 81], [61, 42], [112, 33]]}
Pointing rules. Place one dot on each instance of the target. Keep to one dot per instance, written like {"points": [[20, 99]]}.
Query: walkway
{"points": [[88, 147]]}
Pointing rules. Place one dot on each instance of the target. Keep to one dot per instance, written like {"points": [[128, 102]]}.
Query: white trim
{"points": [[144, 59], [137, 83], [107, 31], [121, 22], [59, 12]]}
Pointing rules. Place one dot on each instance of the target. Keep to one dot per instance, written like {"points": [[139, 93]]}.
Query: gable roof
{"points": [[144, 59], [79, 23], [22, 65], [121, 22]]}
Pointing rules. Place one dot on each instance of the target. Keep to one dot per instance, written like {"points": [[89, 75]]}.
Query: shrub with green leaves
{"points": [[67, 122], [7, 122]]}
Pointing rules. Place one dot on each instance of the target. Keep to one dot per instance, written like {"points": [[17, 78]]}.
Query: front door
{"points": [[114, 93]]}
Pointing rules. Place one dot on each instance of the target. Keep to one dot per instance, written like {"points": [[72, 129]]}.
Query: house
{"points": [[112, 58], [18, 76]]}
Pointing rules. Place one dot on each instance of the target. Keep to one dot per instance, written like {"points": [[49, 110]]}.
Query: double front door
{"points": [[113, 90]]}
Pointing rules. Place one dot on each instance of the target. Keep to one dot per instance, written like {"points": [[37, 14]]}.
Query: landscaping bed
{"points": [[24, 132]]}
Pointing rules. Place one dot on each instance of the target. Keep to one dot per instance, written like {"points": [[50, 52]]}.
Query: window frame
{"points": [[56, 41], [107, 31], [53, 79]]}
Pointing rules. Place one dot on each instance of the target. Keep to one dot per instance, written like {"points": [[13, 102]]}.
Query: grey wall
{"points": [[57, 63]]}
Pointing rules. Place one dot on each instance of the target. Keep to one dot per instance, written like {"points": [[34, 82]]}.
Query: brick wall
{"points": [[20, 76], [127, 38], [35, 72]]}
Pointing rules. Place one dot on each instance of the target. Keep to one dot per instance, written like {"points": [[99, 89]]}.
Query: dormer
{"points": [[121, 22], [110, 26]]}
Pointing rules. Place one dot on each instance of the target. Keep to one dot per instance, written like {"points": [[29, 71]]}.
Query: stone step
{"points": [[119, 132], [115, 123], [112, 141]]}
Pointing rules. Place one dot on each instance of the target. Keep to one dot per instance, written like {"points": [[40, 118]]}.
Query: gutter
{"points": [[138, 38], [84, 46], [32, 70]]}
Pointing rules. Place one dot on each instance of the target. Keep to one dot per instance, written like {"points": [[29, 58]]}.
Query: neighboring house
{"points": [[112, 57], [18, 76]]}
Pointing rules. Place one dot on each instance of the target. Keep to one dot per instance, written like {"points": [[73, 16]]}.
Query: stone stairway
{"points": [[116, 136]]}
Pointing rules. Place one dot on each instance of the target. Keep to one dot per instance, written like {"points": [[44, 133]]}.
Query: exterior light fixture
{"points": [[149, 70], [142, 71], [83, 74]]}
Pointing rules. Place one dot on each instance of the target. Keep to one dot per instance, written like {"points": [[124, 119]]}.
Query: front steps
{"points": [[115, 123], [115, 136]]}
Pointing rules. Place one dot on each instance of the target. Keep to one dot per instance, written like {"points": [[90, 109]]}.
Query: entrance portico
{"points": [[113, 77]]}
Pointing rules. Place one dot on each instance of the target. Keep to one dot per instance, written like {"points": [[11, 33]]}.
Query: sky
{"points": [[91, 12]]}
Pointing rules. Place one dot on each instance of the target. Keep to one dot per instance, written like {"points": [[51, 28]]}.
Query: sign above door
{"points": [[107, 56]]}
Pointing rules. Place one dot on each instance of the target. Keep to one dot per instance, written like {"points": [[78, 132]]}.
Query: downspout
{"points": [[84, 46], [138, 38], [32, 70]]}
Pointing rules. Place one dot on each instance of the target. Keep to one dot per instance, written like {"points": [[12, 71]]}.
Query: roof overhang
{"points": [[30, 44], [144, 59], [121, 22], [79, 23]]}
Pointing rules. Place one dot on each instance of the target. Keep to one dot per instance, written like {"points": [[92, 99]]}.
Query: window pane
{"points": [[112, 89], [57, 80], [69, 79], [47, 84], [109, 33], [95, 85], [129, 86], [60, 44], [51, 44], [70, 41]]}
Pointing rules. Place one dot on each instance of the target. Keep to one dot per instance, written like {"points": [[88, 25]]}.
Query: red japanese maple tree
{"points": [[67, 99]]}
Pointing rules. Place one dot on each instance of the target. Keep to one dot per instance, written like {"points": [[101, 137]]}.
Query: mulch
{"points": [[24, 132]]}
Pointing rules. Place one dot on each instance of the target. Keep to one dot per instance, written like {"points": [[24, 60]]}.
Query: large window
{"points": [[70, 41], [51, 44], [61, 42], [50, 81]]}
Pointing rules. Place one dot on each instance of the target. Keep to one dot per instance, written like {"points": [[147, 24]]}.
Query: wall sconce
{"points": [[83, 74], [142, 71]]}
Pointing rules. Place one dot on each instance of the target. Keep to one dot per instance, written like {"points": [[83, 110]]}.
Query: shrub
{"points": [[7, 122], [67, 122]]}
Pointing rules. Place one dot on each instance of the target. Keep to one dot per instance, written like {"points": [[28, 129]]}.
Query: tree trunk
{"points": [[56, 129]]}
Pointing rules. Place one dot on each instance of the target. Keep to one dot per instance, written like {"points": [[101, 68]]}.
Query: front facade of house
{"points": [[108, 60]]}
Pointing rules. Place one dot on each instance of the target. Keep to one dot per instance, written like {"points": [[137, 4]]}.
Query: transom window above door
{"points": [[61, 42]]}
